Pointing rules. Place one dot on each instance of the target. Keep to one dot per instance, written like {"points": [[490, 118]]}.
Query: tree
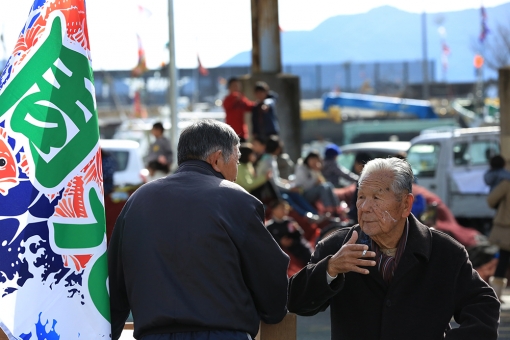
{"points": [[496, 48]]}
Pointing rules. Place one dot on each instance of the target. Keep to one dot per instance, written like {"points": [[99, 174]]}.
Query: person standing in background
{"points": [[499, 198], [263, 119], [160, 150], [236, 105], [497, 172]]}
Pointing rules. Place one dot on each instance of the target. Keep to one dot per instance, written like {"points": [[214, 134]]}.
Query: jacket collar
{"points": [[200, 167], [419, 241], [418, 248]]}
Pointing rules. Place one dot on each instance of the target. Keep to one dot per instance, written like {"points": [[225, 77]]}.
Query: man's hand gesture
{"points": [[349, 258]]}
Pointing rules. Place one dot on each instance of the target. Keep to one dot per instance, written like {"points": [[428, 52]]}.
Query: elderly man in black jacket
{"points": [[391, 277], [190, 255]]}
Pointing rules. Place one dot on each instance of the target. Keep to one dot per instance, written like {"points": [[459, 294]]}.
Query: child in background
{"points": [[287, 233], [496, 173]]}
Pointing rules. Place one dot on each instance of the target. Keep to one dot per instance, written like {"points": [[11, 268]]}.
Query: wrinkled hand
{"points": [[348, 258]]}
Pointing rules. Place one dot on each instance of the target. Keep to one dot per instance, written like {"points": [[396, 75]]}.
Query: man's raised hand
{"points": [[350, 258]]}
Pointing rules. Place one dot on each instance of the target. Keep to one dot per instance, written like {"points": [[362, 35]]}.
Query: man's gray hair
{"points": [[201, 139], [402, 172]]}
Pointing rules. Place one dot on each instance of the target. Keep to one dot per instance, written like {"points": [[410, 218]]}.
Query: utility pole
{"points": [[504, 120], [172, 83], [425, 88], [267, 66]]}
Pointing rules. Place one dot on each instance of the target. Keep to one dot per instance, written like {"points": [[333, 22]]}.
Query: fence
{"points": [[117, 88]]}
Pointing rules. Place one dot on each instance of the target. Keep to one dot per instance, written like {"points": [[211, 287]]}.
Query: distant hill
{"points": [[389, 34]]}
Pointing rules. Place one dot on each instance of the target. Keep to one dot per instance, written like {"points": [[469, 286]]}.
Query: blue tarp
{"points": [[420, 108]]}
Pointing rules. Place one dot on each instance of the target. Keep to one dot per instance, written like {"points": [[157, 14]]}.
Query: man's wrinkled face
{"points": [[379, 209], [229, 169]]}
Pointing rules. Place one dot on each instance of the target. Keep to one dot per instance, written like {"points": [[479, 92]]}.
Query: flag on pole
{"points": [[445, 50], [144, 12], [445, 53], [53, 264], [485, 29], [201, 69], [141, 67]]}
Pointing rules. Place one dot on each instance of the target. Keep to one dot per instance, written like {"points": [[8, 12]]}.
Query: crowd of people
{"points": [[345, 266]]}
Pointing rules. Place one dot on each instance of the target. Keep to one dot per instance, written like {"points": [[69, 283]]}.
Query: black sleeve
{"points": [[119, 304], [309, 291], [264, 269], [477, 308]]}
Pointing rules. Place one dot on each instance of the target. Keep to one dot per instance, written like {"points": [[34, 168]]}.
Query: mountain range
{"points": [[388, 34]]}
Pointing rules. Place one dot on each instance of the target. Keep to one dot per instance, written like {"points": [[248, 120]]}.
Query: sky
{"points": [[216, 30]]}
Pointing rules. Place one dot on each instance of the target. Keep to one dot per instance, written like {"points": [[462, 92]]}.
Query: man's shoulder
{"points": [[230, 191], [446, 242]]}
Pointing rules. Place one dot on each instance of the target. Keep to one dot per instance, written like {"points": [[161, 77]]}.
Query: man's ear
{"points": [[214, 159], [408, 205]]}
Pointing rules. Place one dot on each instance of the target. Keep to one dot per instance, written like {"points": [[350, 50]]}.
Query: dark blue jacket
{"points": [[190, 253], [265, 122]]}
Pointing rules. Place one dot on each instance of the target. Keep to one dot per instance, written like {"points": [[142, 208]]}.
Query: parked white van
{"points": [[452, 164]]}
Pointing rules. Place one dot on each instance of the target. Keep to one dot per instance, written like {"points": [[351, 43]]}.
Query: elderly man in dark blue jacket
{"points": [[391, 277], [190, 256]]}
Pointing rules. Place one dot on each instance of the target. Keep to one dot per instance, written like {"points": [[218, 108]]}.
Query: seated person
{"points": [[334, 172], [258, 144], [156, 170], [309, 178], [246, 176], [285, 187], [285, 164], [287, 233]]}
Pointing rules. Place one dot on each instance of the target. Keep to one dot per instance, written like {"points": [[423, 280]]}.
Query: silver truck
{"points": [[452, 164]]}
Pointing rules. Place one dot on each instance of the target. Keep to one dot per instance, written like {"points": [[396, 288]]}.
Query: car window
{"points": [[121, 158], [474, 153], [346, 160], [423, 159]]}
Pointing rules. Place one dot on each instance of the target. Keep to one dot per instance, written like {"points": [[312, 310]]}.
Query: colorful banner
{"points": [[53, 266]]}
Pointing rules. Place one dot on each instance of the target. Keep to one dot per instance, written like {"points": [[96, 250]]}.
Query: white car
{"points": [[373, 149], [130, 168]]}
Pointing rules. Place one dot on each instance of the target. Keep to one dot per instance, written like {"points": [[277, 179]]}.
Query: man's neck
{"points": [[390, 240]]}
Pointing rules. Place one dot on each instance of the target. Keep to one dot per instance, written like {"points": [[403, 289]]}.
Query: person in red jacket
{"points": [[235, 105]]}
